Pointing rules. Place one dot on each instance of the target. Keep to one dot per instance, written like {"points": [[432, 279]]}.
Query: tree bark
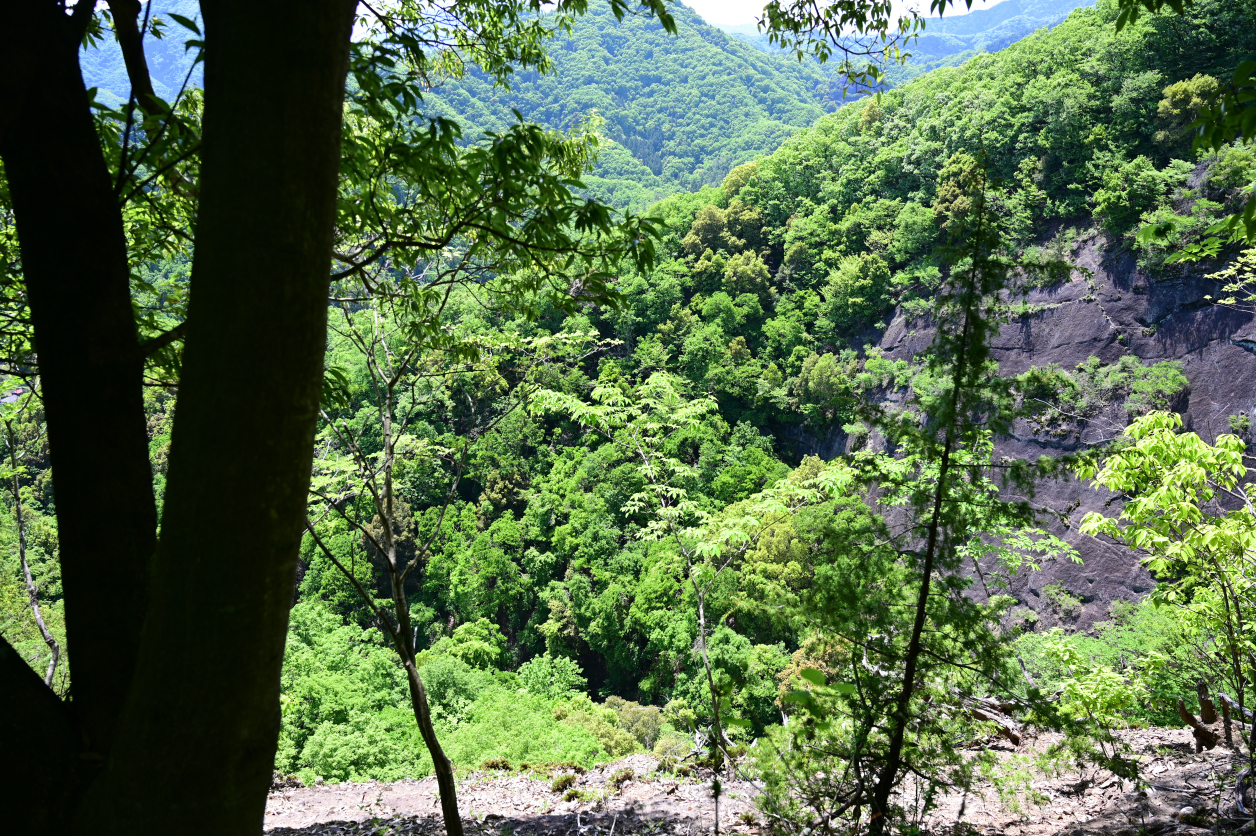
{"points": [[43, 772], [198, 733], [32, 591], [74, 260]]}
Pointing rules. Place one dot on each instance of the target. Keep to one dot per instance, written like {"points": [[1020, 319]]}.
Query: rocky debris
{"points": [[627, 794], [279, 781], [1180, 791]]}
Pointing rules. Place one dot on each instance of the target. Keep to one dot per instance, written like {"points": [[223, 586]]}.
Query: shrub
{"points": [[857, 292], [672, 744], [1061, 600], [552, 676], [495, 764], [480, 644], [622, 777], [563, 782], [1141, 643], [452, 686], [643, 722], [517, 726], [600, 722]]}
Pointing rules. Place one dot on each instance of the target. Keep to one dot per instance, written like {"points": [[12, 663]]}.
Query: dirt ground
{"points": [[499, 802], [1183, 793]]}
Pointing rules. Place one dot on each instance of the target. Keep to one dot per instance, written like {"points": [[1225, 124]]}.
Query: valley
{"points": [[569, 414]]}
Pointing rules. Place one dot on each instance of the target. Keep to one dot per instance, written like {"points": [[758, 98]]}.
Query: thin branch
{"points": [[157, 343], [367, 599]]}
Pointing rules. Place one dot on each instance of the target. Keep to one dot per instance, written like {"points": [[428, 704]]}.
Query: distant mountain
{"points": [[681, 110], [953, 39], [168, 60]]}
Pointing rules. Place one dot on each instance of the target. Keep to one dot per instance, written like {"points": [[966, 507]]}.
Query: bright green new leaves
{"points": [[641, 422], [1170, 480], [1092, 691], [1176, 488]]}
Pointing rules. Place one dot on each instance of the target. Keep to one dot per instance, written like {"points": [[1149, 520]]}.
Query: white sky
{"points": [[733, 12]]}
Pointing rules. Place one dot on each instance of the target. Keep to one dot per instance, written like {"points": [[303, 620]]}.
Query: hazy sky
{"points": [[732, 12]]}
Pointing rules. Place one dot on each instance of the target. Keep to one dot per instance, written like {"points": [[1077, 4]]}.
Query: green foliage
{"points": [[1063, 402], [1147, 647], [643, 722], [1134, 189], [479, 644], [551, 676], [858, 292], [346, 713], [1198, 548], [1061, 600]]}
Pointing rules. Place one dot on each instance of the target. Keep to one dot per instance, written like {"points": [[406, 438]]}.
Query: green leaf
{"points": [[185, 22], [813, 676]]}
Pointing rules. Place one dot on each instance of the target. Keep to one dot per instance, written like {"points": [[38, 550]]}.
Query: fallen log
{"points": [[989, 711], [1226, 699]]}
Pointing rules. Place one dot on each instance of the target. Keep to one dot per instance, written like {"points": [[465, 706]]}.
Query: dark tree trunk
{"points": [[199, 728], [74, 260]]}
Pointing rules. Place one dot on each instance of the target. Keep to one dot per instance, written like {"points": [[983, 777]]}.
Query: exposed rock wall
{"points": [[1108, 308]]}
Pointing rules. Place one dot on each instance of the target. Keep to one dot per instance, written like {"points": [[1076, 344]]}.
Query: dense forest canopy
{"points": [[770, 286], [564, 460]]}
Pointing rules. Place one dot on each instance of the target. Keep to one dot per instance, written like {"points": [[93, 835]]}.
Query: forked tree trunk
{"points": [[196, 739], [74, 260]]}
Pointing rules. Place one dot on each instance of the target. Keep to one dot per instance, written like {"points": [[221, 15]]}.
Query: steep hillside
{"points": [[169, 62], [807, 281], [952, 39], [682, 110]]}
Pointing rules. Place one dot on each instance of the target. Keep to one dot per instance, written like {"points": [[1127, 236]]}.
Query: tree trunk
{"points": [[74, 260], [32, 591], [198, 732], [441, 764]]}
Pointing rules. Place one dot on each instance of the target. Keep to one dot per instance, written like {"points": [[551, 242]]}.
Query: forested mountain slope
{"points": [[169, 63], [799, 288], [803, 284], [953, 39], [1071, 123], [681, 110]]}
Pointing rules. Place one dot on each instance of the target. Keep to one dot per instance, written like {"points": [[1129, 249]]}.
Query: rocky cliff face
{"points": [[1107, 309]]}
